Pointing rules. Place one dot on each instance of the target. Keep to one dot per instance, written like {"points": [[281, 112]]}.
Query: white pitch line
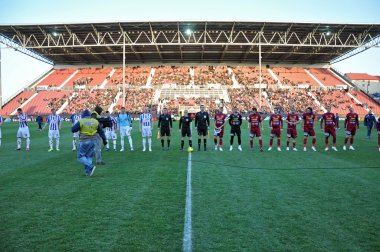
{"points": [[187, 233]]}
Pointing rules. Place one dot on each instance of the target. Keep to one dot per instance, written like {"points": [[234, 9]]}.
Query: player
{"points": [[235, 120], [378, 132], [23, 130], [202, 123], [308, 128], [255, 126], [111, 132], [54, 122], [351, 123], [165, 125], [185, 128], [146, 127], [74, 119], [276, 125], [220, 120], [1, 123], [124, 121], [330, 128], [292, 119]]}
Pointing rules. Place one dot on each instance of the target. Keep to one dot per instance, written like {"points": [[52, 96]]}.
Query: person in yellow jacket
{"points": [[88, 128]]}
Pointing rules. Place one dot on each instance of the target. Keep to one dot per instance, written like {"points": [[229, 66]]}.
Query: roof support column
{"points": [[123, 69], [260, 71]]}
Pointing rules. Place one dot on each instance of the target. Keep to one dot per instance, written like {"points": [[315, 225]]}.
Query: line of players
{"points": [[123, 122]]}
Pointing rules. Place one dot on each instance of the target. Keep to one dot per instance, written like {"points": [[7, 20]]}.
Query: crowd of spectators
{"points": [[204, 75], [171, 75], [287, 99], [136, 100], [90, 98], [250, 75], [134, 76], [244, 99]]}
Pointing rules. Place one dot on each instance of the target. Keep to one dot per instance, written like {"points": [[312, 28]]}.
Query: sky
{"points": [[70, 11]]}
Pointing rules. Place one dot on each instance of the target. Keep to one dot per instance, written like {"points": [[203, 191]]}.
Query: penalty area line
{"points": [[187, 232]]}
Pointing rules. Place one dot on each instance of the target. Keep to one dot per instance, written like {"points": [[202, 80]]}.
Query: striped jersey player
{"points": [[23, 129], [74, 119], [146, 126], [54, 122], [111, 132], [1, 123]]}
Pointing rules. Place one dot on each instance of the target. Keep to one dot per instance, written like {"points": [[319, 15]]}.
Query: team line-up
{"points": [[123, 123]]}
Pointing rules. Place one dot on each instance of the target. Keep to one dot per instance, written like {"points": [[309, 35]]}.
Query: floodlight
{"points": [[188, 32]]}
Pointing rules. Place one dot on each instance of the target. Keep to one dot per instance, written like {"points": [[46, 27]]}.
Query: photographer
{"points": [[104, 122]]}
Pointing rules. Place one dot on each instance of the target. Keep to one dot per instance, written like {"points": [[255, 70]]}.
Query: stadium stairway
{"points": [[315, 78], [150, 78], [110, 109], [104, 83], [317, 102], [274, 76], [233, 77], [68, 79], [25, 103]]}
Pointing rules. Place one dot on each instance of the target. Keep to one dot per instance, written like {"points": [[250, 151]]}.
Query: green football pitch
{"points": [[240, 201]]}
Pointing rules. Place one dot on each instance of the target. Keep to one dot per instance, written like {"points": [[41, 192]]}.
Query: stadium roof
{"points": [[185, 42], [361, 76]]}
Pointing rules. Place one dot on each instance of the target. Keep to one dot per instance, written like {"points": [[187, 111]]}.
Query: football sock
{"points": [[287, 143], [190, 143], [114, 144], [149, 143], [182, 143], [261, 143], [220, 143], [304, 142], [57, 142], [27, 142], [74, 143], [130, 142], [205, 142], [351, 141], [168, 142], [199, 143], [251, 142], [122, 142], [239, 139], [18, 143], [51, 143], [294, 144], [327, 141], [143, 141], [313, 141], [278, 142], [345, 141], [162, 142], [215, 141], [271, 142], [232, 140]]}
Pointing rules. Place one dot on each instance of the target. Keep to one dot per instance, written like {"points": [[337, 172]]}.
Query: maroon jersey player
{"points": [[255, 126], [378, 132], [351, 123], [220, 120], [292, 119], [276, 126], [308, 128], [328, 119]]}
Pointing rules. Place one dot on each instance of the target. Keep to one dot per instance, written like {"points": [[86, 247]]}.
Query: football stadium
{"points": [[188, 112]]}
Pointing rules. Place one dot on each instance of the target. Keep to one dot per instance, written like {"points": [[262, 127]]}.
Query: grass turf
{"points": [[241, 200]]}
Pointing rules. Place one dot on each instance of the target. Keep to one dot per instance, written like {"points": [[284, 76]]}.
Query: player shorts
{"points": [[202, 131], [255, 132], [76, 134], [146, 131], [125, 131], [111, 134], [351, 131], [23, 132], [329, 131], [53, 133], [235, 131], [308, 132], [186, 132], [165, 131], [291, 133], [276, 132], [219, 132]]}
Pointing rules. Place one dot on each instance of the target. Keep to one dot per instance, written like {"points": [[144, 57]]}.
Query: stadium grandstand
{"points": [[182, 64]]}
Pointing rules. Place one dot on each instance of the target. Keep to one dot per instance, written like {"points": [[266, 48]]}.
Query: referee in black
{"points": [[235, 122], [165, 125], [202, 123], [185, 129]]}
